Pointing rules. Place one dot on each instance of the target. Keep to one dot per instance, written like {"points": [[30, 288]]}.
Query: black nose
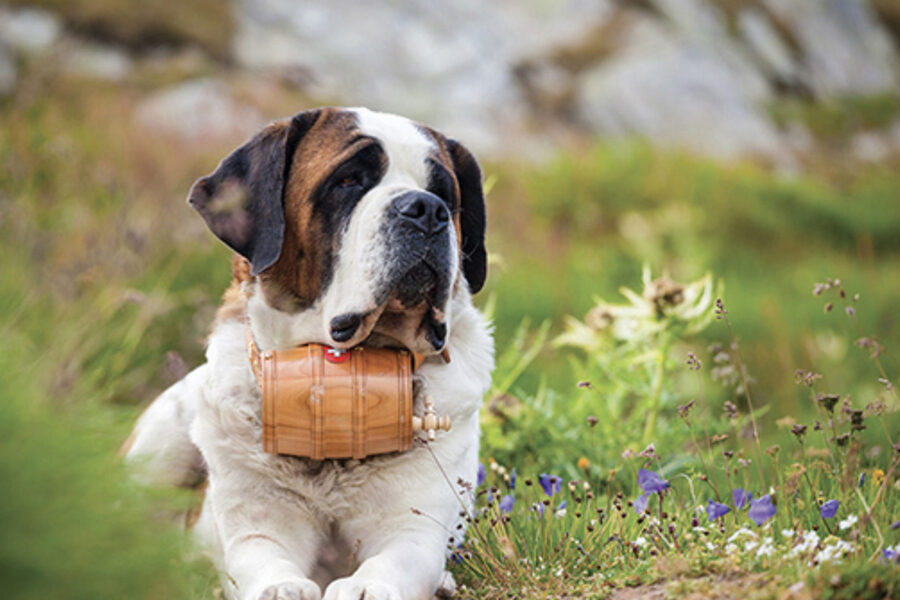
{"points": [[422, 210]]}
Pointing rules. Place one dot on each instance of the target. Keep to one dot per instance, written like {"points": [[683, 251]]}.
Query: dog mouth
{"points": [[410, 314]]}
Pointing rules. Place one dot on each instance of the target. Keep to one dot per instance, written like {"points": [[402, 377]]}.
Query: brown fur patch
{"points": [[295, 280], [234, 300], [192, 515]]}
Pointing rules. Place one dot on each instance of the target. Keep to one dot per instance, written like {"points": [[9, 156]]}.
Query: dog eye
{"points": [[350, 181]]}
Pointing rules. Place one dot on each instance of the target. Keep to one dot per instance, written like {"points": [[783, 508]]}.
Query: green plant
{"points": [[818, 503]]}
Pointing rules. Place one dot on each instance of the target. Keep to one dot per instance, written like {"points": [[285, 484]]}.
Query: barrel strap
{"points": [[256, 363]]}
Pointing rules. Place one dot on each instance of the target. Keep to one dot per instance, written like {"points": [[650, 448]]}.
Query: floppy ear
{"points": [[472, 214], [241, 201]]}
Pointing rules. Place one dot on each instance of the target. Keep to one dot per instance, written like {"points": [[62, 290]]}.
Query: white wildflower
{"points": [[833, 552], [640, 542], [750, 545], [808, 543], [849, 522], [662, 303], [788, 533], [731, 549], [743, 531], [767, 548], [711, 547]]}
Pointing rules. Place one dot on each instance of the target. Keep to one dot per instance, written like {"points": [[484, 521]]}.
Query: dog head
{"points": [[362, 225]]}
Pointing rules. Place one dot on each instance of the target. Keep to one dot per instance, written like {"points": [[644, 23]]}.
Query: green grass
{"points": [[593, 219], [837, 119]]}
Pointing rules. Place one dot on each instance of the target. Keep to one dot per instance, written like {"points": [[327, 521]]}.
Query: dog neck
{"points": [[272, 329]]}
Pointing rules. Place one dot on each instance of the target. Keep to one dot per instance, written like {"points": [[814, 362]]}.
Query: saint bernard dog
{"points": [[350, 227]]}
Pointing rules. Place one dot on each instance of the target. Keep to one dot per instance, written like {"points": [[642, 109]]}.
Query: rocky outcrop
{"points": [[691, 74], [450, 64], [518, 76]]}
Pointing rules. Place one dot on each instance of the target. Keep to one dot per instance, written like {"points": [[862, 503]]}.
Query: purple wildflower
{"points": [[651, 482], [829, 509], [741, 497], [895, 525], [715, 510], [539, 508], [457, 555], [862, 479], [512, 480], [889, 554], [481, 475], [640, 505], [506, 503], [761, 510], [551, 484]]}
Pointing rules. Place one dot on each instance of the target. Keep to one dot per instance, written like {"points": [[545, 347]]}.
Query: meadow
{"points": [[674, 336]]}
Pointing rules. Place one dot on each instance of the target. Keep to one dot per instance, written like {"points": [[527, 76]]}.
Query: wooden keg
{"points": [[321, 402]]}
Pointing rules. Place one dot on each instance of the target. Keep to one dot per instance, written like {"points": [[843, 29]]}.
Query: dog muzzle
{"points": [[320, 402]]}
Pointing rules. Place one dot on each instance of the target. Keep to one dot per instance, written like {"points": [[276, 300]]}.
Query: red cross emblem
{"points": [[336, 355]]}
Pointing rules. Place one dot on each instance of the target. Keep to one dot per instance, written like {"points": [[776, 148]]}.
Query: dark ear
{"points": [[241, 201], [472, 214]]}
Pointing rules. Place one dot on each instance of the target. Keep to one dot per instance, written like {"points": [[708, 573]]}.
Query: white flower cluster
{"points": [[662, 303], [767, 548], [741, 533], [809, 541], [808, 544], [750, 541], [849, 522], [834, 551]]}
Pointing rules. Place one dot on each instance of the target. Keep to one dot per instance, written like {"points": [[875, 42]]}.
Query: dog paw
{"points": [[350, 588], [303, 589], [447, 587]]}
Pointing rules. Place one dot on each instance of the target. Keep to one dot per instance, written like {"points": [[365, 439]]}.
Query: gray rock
{"points": [[845, 50], [198, 111], [8, 72], [870, 147], [97, 61], [893, 133], [681, 91], [29, 30], [507, 76], [447, 64], [766, 44]]}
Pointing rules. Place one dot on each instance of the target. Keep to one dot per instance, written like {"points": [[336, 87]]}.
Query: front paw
{"points": [[302, 589], [351, 588]]}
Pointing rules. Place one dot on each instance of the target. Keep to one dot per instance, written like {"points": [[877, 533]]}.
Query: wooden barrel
{"points": [[319, 402]]}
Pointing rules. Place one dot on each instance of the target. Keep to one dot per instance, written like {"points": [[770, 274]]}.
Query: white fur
{"points": [[268, 519]]}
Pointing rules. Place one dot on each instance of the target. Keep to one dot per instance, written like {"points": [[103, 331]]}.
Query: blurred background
{"points": [[755, 140]]}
